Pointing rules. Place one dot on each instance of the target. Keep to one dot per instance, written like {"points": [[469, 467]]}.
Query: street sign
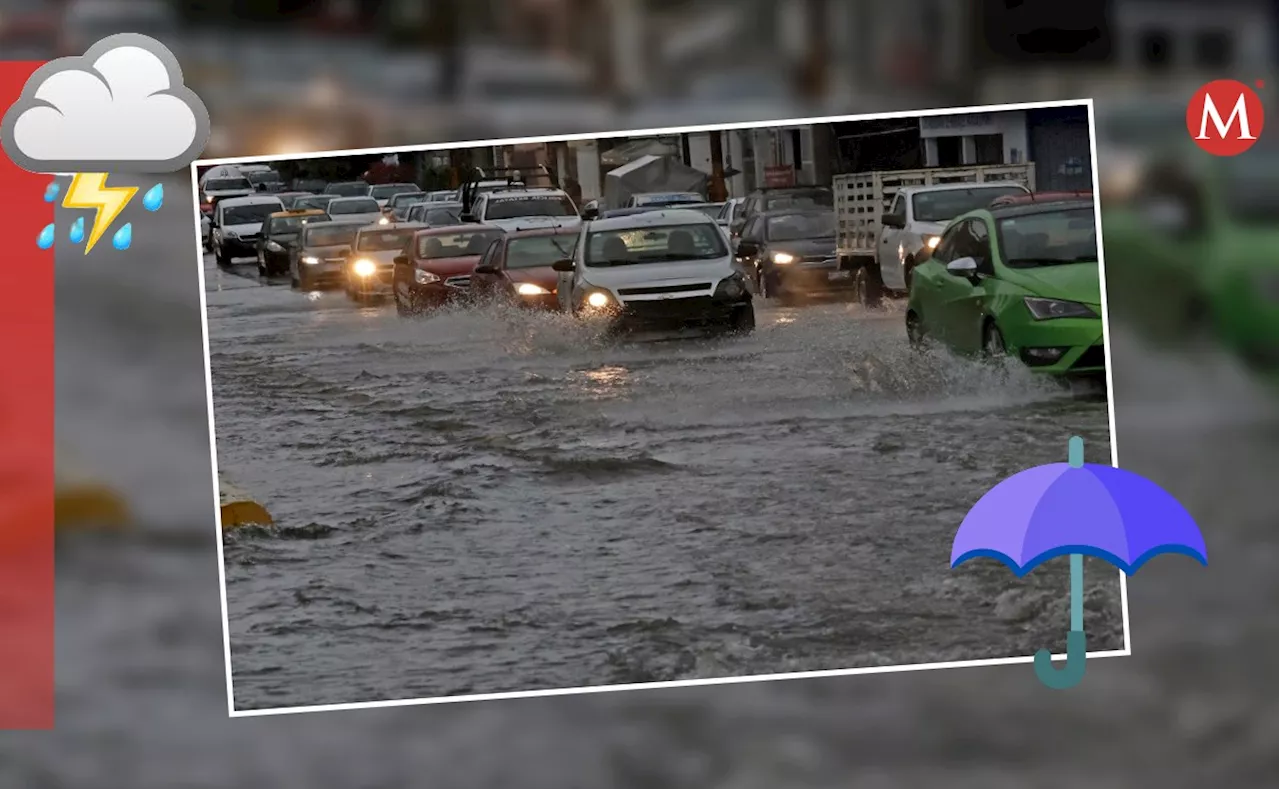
{"points": [[779, 175]]}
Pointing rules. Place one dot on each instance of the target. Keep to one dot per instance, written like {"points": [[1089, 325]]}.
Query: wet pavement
{"points": [[492, 501]]}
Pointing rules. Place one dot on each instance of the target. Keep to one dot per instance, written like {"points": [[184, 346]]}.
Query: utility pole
{"points": [[814, 68], [717, 192]]}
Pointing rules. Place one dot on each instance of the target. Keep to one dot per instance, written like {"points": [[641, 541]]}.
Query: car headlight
{"points": [[598, 300], [311, 260], [731, 287], [931, 242], [782, 258], [1046, 309], [530, 289], [424, 277], [384, 221], [230, 234], [274, 246], [364, 268]]}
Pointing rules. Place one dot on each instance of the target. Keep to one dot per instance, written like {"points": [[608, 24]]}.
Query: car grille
{"points": [[657, 289], [458, 282], [818, 259], [1094, 356], [249, 238], [335, 260], [683, 309]]}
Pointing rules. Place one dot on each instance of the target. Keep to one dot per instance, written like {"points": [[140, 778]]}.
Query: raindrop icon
{"points": [[51, 192], [154, 198], [77, 231], [45, 239], [123, 237]]}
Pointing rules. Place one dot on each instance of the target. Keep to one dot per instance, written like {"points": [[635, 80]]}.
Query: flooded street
{"points": [[481, 502]]}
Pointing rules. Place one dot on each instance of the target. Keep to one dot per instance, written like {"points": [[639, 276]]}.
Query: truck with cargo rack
{"points": [[888, 221]]}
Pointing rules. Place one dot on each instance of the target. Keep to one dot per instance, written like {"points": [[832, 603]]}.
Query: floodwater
{"points": [[491, 501]]}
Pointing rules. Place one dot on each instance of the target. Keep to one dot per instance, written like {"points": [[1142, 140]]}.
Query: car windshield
{"points": [[312, 202], [441, 216], [791, 227], [264, 177], [442, 197], [820, 198], [702, 241], [1048, 238], [350, 189], [456, 245], [1250, 196], [672, 198], [331, 236], [710, 209], [363, 206], [540, 250], [529, 205], [404, 199], [387, 191], [383, 240], [248, 214], [227, 184], [947, 204], [290, 225]]}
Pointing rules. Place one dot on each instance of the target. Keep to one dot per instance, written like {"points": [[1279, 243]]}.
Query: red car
{"points": [[436, 268], [517, 267]]}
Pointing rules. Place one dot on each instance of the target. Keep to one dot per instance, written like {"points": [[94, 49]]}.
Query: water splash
{"points": [[154, 198], [45, 239], [77, 231], [123, 237], [51, 191]]}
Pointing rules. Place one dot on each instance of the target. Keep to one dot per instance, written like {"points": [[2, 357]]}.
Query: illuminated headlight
{"points": [[311, 260], [530, 289], [931, 242], [384, 221], [274, 246], [598, 299], [364, 268], [1046, 309], [424, 277], [782, 258]]}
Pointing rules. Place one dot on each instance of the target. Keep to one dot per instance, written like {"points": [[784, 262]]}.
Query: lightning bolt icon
{"points": [[90, 190]]}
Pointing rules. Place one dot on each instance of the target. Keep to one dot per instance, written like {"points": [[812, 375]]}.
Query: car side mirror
{"points": [[963, 267], [486, 269], [467, 217], [590, 214], [747, 248], [563, 265], [893, 220], [401, 260]]}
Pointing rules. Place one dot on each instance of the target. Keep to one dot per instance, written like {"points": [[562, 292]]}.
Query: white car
{"points": [[660, 269], [384, 192], [236, 225], [355, 209], [526, 209], [919, 215]]}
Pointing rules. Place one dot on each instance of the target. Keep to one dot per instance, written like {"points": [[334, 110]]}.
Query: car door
{"points": [[887, 252], [487, 284], [962, 299], [567, 280], [752, 258], [930, 283]]}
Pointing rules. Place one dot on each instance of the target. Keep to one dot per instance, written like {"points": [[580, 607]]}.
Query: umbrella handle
{"points": [[1071, 673]]}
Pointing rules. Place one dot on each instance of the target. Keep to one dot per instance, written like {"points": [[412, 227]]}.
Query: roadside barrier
{"points": [[239, 508]]}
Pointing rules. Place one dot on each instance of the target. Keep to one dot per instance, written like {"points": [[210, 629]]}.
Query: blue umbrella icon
{"points": [[1075, 509]]}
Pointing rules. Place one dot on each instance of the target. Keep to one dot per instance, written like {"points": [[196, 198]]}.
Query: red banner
{"points": [[779, 175], [26, 451]]}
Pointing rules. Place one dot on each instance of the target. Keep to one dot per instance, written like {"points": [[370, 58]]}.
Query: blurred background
{"points": [[1191, 259]]}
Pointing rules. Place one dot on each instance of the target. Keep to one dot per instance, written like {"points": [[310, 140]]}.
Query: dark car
{"points": [[278, 233], [436, 269], [311, 202], [517, 268], [398, 205], [792, 252], [778, 199], [436, 214], [347, 189], [313, 185], [266, 181], [318, 258]]}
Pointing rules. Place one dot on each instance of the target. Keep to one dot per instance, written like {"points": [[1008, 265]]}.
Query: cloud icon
{"points": [[121, 107]]}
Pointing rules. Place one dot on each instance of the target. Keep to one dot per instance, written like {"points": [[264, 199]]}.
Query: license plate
{"points": [[834, 275]]}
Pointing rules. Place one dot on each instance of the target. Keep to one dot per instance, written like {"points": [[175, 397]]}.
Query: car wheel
{"points": [[867, 287], [403, 309], [915, 330], [762, 285], [993, 346], [908, 266], [220, 259], [743, 320]]}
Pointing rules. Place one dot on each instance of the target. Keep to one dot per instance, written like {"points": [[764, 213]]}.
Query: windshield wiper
{"points": [[1052, 261]]}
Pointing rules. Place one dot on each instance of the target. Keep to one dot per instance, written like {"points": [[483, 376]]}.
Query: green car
{"points": [[1196, 239], [1020, 279]]}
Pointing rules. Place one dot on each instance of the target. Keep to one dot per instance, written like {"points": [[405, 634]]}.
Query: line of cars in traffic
{"points": [[1009, 272]]}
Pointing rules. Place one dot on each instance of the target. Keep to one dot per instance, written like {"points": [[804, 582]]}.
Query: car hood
{"points": [[805, 247], [450, 267], [1070, 281], [244, 229], [371, 217], [529, 222], [928, 228], [385, 256], [640, 274], [540, 275]]}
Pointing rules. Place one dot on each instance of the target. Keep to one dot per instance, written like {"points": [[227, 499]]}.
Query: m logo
{"points": [[1225, 117]]}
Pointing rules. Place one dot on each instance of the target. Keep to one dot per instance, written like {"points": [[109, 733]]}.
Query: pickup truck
{"points": [[887, 222]]}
